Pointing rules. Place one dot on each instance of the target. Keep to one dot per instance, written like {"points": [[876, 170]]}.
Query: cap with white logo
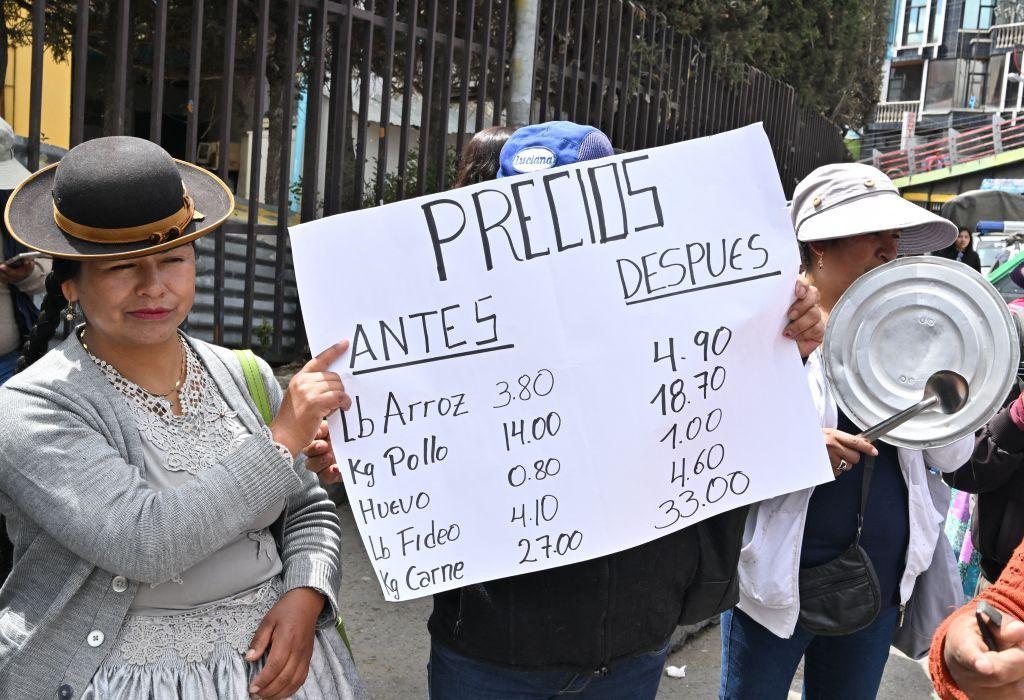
{"points": [[532, 159], [548, 145]]}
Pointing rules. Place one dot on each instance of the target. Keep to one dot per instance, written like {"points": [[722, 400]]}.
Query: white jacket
{"points": [[770, 560]]}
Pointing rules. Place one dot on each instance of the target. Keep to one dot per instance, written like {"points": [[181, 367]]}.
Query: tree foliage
{"points": [[830, 51]]}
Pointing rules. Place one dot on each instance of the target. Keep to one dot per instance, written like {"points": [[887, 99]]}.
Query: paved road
{"points": [[391, 645]]}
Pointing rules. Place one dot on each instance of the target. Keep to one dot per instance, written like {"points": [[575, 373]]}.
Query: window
{"points": [[978, 14], [935, 21], [915, 18], [938, 93], [905, 83], [995, 80], [975, 94], [1012, 93]]}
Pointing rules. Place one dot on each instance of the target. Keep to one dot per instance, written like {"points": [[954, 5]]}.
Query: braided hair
{"points": [[51, 312]]}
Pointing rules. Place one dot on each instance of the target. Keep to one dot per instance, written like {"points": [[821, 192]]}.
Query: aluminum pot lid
{"points": [[901, 322]]}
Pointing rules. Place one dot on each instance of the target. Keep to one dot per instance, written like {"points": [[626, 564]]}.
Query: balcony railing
{"points": [[952, 149], [1006, 36], [892, 112]]}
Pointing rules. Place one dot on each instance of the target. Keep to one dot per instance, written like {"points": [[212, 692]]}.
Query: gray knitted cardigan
{"points": [[79, 512]]}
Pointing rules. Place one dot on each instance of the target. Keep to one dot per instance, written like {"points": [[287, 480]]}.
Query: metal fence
{"points": [[377, 98], [625, 70]]}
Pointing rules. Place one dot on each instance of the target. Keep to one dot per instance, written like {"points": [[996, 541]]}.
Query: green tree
{"points": [[830, 51]]}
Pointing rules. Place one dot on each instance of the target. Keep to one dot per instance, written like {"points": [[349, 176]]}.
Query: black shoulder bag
{"points": [[842, 596]]}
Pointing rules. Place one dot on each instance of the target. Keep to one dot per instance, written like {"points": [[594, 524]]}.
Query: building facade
{"points": [[949, 64]]}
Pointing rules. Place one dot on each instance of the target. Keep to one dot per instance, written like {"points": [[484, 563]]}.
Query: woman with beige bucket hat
{"points": [[849, 219]]}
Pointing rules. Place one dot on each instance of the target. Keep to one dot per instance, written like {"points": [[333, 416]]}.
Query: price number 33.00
{"points": [[687, 503]]}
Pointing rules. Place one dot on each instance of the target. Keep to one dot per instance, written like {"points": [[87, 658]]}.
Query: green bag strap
{"points": [[344, 636], [258, 392], [254, 381]]}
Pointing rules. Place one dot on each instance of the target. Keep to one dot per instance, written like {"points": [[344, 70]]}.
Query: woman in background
{"points": [[479, 159], [963, 251]]}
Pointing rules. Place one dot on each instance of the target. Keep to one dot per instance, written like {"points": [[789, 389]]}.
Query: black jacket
{"points": [[969, 258], [585, 616], [996, 474]]}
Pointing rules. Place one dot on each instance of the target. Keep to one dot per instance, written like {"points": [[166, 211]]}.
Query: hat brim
{"points": [[29, 217], [920, 230]]}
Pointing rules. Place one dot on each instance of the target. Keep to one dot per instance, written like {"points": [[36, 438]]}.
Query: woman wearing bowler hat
{"points": [[849, 219], [167, 543]]}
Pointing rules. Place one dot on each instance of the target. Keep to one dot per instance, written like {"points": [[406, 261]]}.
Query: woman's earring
{"points": [[821, 261], [69, 313]]}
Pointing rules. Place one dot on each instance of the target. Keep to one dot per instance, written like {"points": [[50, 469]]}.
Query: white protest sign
{"points": [[565, 364]]}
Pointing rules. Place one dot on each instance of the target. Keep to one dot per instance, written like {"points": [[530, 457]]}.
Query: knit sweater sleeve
{"points": [[311, 536], [1007, 594], [62, 468]]}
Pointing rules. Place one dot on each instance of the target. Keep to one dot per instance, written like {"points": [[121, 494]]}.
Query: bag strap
{"points": [[254, 381], [865, 488]]}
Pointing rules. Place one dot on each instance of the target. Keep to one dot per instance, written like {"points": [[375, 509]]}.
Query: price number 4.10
{"points": [[686, 504]]}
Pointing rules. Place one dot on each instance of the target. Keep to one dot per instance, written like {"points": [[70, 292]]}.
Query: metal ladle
{"points": [[945, 391]]}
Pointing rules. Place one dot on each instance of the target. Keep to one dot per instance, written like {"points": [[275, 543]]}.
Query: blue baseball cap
{"points": [[548, 145]]}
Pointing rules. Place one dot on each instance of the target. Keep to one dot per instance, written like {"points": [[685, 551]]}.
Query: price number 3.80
{"points": [[687, 503], [528, 387]]}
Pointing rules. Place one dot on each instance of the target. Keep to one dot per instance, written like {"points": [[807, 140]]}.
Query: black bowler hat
{"points": [[116, 197]]}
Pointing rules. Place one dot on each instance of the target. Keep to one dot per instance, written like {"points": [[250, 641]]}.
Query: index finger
{"points": [[323, 361]]}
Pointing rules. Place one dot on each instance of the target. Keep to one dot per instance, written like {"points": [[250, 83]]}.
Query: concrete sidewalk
{"points": [[391, 645]]}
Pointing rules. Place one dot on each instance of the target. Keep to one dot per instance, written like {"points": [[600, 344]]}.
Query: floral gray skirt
{"points": [[199, 654]]}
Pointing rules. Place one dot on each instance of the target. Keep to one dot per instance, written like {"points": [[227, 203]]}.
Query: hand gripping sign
{"points": [[565, 364]]}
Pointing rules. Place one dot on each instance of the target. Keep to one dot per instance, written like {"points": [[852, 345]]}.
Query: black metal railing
{"points": [[313, 107]]}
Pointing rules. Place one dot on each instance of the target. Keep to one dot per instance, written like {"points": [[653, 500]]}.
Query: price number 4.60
{"points": [[686, 504]]}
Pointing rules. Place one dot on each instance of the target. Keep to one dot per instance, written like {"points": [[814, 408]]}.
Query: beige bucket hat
{"points": [[850, 199]]}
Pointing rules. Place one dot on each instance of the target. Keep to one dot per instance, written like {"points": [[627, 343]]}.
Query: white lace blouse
{"points": [[225, 591]]}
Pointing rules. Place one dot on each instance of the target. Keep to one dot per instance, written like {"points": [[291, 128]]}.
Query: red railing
{"points": [[953, 149]]}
